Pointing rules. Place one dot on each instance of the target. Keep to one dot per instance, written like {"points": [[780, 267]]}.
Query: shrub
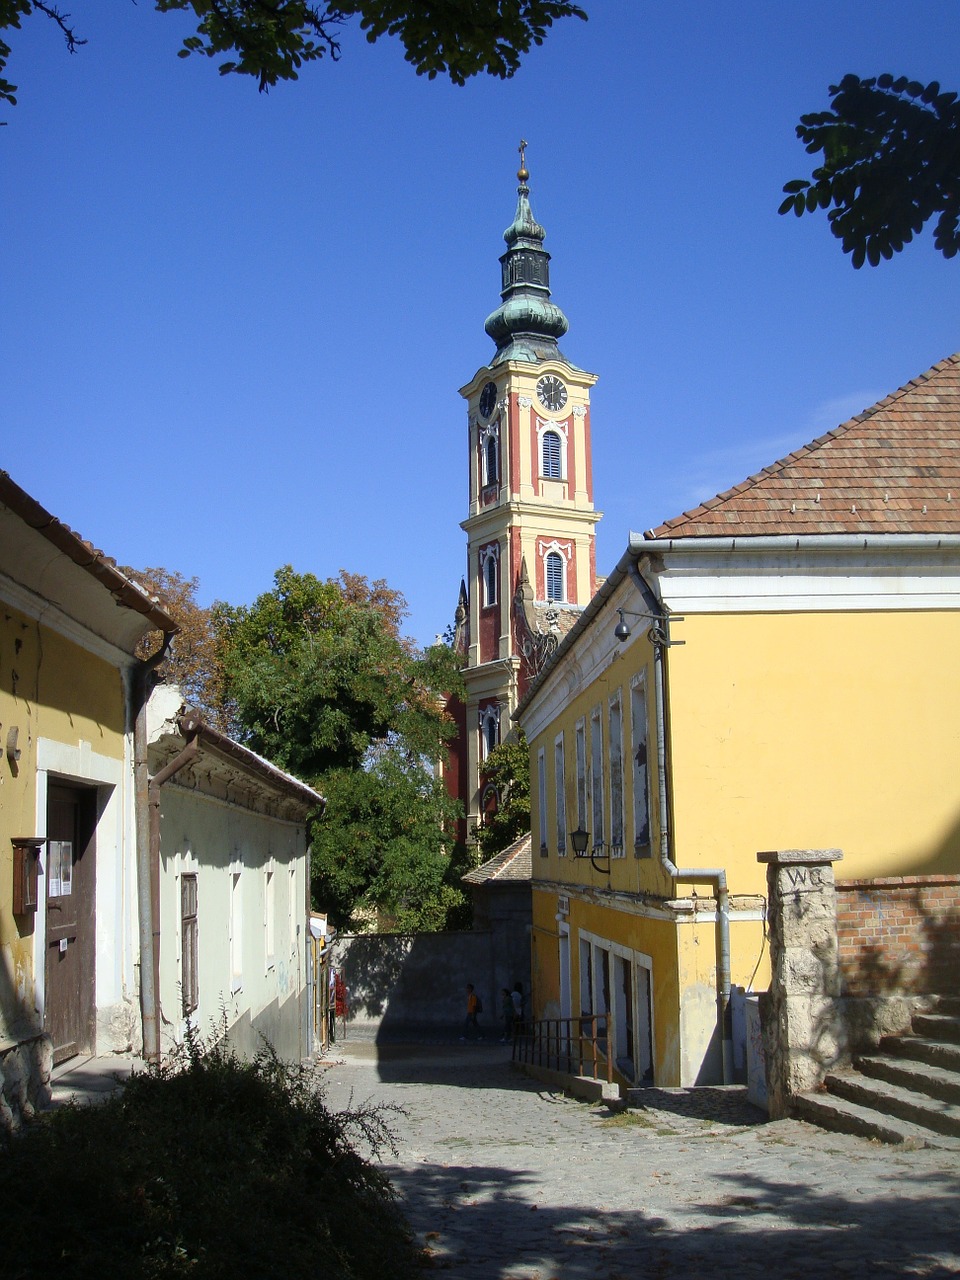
{"points": [[208, 1167]]}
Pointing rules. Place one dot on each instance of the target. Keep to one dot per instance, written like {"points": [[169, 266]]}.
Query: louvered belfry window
{"points": [[551, 456], [554, 573]]}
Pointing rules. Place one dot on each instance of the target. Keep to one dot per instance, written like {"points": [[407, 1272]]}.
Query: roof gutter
{"points": [[643, 544]]}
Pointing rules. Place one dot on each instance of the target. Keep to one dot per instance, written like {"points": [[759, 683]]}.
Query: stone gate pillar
{"points": [[803, 1029]]}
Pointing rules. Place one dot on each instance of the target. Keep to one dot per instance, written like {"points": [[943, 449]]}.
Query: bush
{"points": [[208, 1167]]}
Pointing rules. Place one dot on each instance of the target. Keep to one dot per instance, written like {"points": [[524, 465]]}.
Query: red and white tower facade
{"points": [[531, 559]]}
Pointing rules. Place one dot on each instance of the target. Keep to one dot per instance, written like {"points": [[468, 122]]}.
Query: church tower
{"points": [[531, 558]]}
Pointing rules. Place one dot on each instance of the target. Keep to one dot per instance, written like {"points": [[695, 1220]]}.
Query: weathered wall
{"points": [[239, 975]]}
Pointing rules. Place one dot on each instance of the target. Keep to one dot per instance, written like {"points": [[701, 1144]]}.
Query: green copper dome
{"points": [[527, 324]]}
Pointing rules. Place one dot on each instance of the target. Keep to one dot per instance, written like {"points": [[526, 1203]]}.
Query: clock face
{"points": [[488, 399], [551, 392]]}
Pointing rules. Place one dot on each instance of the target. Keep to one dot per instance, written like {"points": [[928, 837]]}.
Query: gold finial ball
{"points": [[523, 173]]}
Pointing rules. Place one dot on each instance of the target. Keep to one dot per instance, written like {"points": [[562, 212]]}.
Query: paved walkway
{"points": [[504, 1180]]}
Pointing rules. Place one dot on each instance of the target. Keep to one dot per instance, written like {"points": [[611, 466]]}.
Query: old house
{"points": [[774, 670], [71, 705], [232, 889]]}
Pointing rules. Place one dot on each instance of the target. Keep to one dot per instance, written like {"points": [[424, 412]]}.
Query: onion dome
{"points": [[527, 324]]}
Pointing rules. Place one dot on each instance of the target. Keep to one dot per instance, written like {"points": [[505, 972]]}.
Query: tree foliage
{"points": [[324, 684], [508, 768], [891, 161], [271, 40]]}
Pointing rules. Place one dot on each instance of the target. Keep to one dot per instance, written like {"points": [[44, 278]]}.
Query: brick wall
{"points": [[899, 934]]}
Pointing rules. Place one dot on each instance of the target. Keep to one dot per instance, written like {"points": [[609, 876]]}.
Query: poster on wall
{"points": [[59, 868]]}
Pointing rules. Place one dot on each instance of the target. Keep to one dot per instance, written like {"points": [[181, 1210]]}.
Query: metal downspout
{"points": [[189, 726], [712, 875]]}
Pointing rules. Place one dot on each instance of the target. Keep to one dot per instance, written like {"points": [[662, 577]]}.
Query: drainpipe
{"points": [[716, 876], [189, 726]]}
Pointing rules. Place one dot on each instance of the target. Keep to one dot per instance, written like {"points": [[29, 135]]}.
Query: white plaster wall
{"points": [[217, 839]]}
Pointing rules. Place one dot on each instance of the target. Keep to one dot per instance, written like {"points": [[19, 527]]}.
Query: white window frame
{"points": [[270, 915], [559, 430], [615, 738], [560, 782], [490, 451], [597, 797], [490, 573], [580, 739], [489, 729], [640, 774], [542, 799]]}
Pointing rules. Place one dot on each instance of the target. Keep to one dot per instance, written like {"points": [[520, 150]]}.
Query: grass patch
{"points": [[210, 1167]]}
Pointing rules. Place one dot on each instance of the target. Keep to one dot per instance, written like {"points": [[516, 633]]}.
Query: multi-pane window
{"points": [[189, 943], [641, 774], [542, 799], [553, 571], [615, 723], [596, 766], [551, 461], [581, 749], [560, 781]]}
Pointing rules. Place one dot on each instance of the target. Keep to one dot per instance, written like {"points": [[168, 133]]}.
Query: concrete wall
{"points": [[400, 982]]}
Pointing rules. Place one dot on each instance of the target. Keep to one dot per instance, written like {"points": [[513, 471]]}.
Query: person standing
{"points": [[516, 996], [471, 1027]]}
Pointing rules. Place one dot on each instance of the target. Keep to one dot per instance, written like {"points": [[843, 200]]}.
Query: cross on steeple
{"points": [[522, 172]]}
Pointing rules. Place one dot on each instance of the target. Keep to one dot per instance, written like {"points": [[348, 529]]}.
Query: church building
{"points": [[531, 559]]}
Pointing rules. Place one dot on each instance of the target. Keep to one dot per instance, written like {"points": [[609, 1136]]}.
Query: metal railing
{"points": [[578, 1046]]}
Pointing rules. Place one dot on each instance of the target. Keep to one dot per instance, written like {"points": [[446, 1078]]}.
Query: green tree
{"points": [[272, 39], [891, 161], [508, 768], [325, 685]]}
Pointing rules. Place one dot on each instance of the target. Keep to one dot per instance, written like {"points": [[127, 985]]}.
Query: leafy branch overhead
{"points": [[272, 39], [891, 162]]}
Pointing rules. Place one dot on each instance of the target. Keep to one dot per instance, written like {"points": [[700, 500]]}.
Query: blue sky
{"points": [[234, 324]]}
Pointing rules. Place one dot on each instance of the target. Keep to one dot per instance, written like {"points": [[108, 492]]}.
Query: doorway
{"points": [[70, 978]]}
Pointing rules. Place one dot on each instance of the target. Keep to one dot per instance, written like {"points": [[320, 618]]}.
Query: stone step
{"points": [[937, 1026], [946, 1004], [896, 1101], [839, 1115], [921, 1049], [920, 1077]]}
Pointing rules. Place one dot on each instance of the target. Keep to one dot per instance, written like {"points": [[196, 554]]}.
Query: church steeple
{"points": [[527, 324]]}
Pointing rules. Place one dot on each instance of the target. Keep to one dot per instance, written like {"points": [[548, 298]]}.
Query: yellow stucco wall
{"points": [[817, 730], [49, 688], [791, 730]]}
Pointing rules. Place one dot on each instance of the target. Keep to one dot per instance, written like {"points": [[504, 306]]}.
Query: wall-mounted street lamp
{"points": [[659, 633], [580, 839]]}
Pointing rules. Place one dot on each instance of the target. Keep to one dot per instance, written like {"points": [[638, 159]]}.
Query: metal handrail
{"points": [[578, 1046]]}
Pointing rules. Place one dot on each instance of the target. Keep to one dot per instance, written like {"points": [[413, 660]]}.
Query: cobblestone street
{"points": [[503, 1179]]}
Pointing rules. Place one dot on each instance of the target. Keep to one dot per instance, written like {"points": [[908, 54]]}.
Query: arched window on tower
{"points": [[553, 571], [551, 459], [489, 729], [491, 459], [490, 572]]}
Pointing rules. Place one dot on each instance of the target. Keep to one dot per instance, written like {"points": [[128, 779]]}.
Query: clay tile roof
{"points": [[512, 863], [895, 468]]}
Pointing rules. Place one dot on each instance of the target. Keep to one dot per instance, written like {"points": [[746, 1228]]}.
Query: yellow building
{"points": [[776, 669], [70, 693]]}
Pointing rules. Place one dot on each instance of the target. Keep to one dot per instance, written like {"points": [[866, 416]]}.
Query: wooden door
{"points": [[70, 989]]}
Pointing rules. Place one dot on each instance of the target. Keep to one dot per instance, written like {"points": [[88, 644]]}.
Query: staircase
{"points": [[907, 1092]]}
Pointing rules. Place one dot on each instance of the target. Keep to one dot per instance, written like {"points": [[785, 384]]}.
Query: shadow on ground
{"points": [[479, 1221]]}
